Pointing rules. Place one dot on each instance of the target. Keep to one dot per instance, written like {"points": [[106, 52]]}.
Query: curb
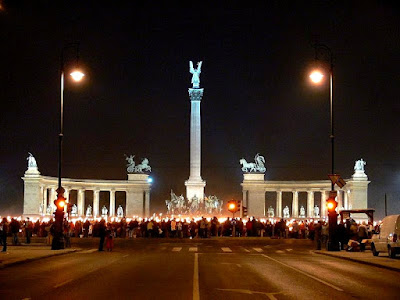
{"points": [[359, 261], [19, 262]]}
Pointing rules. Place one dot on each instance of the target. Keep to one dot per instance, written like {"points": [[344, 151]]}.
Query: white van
{"points": [[387, 239]]}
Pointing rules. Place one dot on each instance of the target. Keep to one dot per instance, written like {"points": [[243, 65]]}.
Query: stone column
{"points": [[323, 204], [53, 196], [96, 203], [81, 202], [195, 184], [346, 199], [340, 200], [310, 204], [111, 213], [147, 204], [295, 204], [44, 200], [66, 196], [278, 210]]}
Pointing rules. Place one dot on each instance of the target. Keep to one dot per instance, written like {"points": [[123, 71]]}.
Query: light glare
{"points": [[77, 75], [316, 76]]}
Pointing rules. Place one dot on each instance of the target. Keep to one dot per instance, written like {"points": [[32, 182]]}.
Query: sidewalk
{"points": [[21, 254], [382, 261]]}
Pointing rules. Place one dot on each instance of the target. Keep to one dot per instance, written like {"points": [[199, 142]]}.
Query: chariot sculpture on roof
{"points": [[140, 168], [257, 166]]}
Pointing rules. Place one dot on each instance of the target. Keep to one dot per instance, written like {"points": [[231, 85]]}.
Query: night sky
{"points": [[257, 96]]}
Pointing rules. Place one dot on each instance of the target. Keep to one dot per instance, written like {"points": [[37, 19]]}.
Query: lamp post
{"points": [[316, 77], [58, 236]]}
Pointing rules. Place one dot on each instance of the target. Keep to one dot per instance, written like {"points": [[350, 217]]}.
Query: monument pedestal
{"points": [[195, 188], [138, 196], [32, 193]]}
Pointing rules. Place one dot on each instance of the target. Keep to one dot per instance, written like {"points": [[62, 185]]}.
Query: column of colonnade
{"points": [[310, 203]]}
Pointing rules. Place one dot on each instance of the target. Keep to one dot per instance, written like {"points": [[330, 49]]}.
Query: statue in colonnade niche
{"points": [[41, 209], [120, 212], [89, 211], [48, 210], [316, 211], [302, 212], [286, 213], [74, 210], [104, 211], [271, 212]]}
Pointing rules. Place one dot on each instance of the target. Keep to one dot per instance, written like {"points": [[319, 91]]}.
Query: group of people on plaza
{"points": [[182, 228]]}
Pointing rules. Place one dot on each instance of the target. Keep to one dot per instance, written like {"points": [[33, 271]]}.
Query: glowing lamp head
{"points": [[330, 205], [232, 206], [61, 203], [77, 75], [316, 76]]}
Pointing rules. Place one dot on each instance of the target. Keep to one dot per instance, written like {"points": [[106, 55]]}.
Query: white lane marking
{"points": [[239, 265], [268, 246], [258, 250], [248, 292], [289, 250], [177, 249], [196, 293], [63, 283], [126, 255], [226, 249], [304, 273], [246, 250], [193, 249], [279, 251], [89, 251]]}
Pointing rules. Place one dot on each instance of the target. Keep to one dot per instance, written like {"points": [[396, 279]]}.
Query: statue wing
{"points": [[199, 66], [191, 69]]}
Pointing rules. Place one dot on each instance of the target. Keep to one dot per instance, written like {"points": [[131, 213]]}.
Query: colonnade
{"points": [[40, 193], [352, 196]]}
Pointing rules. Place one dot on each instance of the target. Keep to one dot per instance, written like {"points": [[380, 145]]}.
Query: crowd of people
{"points": [[184, 228]]}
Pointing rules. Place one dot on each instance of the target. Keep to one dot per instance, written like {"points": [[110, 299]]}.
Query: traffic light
{"points": [[244, 211], [331, 204], [232, 206], [60, 203]]}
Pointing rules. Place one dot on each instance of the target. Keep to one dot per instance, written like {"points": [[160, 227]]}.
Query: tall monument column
{"points": [[195, 184]]}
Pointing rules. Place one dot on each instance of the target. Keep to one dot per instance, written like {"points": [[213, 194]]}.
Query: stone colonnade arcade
{"points": [[354, 195], [40, 191]]}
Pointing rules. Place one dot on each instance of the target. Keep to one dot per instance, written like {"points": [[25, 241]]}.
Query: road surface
{"points": [[198, 269]]}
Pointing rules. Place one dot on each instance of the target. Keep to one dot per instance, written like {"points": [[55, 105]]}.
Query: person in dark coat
{"points": [[102, 233], [4, 232]]}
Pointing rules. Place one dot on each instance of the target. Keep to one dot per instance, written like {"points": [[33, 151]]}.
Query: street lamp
{"points": [[77, 75], [317, 76]]}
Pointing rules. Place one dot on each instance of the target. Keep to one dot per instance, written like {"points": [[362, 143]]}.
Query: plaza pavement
{"points": [[39, 250]]}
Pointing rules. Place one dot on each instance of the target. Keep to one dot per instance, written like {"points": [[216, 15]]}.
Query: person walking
{"points": [[28, 230], [4, 232], [110, 239], [15, 226], [102, 233]]}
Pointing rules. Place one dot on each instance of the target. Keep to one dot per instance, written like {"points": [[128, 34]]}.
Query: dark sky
{"points": [[257, 98]]}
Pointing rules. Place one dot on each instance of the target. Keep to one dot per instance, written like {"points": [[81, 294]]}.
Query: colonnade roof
{"points": [[93, 184]]}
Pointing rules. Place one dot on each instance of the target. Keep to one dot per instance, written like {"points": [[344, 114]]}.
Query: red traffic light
{"points": [[60, 203], [232, 206], [331, 204]]}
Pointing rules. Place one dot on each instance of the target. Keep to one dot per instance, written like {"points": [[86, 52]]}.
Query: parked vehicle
{"points": [[387, 237]]}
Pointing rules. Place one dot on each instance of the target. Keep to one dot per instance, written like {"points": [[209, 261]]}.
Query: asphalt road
{"points": [[198, 269]]}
